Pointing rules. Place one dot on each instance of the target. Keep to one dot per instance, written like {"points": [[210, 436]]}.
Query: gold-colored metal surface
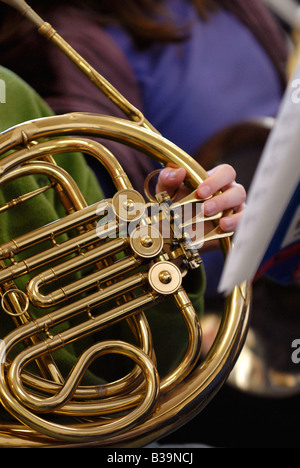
{"points": [[98, 267], [146, 241], [165, 278]]}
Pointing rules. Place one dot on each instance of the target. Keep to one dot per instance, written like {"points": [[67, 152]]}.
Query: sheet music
{"points": [[273, 185], [288, 10]]}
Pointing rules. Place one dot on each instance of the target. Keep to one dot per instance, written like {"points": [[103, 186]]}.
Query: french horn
{"points": [[122, 273]]}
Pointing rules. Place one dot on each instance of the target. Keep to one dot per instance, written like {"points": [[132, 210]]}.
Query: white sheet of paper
{"points": [[273, 185]]}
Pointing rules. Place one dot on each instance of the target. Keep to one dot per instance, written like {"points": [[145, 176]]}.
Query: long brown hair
{"points": [[146, 20]]}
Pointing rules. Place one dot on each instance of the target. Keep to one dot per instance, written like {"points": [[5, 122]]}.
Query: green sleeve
{"points": [[22, 103]]}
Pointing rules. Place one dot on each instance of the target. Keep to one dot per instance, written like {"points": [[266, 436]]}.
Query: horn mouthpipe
{"points": [[25, 10]]}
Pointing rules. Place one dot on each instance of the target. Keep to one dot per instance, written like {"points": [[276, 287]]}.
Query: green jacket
{"points": [[22, 104]]}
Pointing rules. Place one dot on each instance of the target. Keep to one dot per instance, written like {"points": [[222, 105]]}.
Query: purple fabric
{"points": [[258, 19], [220, 76]]}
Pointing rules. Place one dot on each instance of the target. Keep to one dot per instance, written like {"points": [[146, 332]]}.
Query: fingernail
{"points": [[210, 207], [228, 224], [204, 191], [172, 175]]}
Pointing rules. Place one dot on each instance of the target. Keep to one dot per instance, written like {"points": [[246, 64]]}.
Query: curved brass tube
{"points": [[200, 381], [121, 274]]}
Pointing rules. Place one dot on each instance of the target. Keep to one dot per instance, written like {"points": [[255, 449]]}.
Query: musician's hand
{"points": [[221, 178]]}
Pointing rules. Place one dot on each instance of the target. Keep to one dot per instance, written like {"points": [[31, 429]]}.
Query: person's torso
{"points": [[220, 76]]}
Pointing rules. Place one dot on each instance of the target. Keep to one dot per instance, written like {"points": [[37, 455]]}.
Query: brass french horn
{"points": [[122, 273]]}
